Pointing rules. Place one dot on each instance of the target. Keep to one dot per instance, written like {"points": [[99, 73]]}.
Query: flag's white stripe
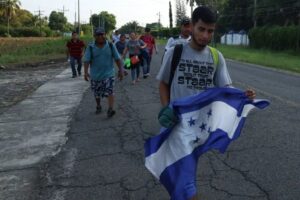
{"points": [[181, 141]]}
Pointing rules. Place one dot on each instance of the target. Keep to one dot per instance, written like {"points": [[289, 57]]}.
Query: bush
{"points": [[276, 38]]}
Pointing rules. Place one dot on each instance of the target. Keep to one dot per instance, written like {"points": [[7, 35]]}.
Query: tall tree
{"points": [[236, 15], [22, 18], [131, 27], [278, 12], [170, 15], [104, 19], [180, 11], [57, 21], [154, 25], [9, 7]]}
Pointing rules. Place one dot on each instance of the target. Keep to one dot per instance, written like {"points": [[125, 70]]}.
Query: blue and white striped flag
{"points": [[209, 120]]}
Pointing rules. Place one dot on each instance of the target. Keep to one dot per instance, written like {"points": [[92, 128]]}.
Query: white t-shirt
{"points": [[195, 72], [173, 41], [115, 38]]}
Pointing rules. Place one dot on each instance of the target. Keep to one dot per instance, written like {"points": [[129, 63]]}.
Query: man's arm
{"points": [[169, 44], [164, 93], [124, 53], [86, 71], [120, 72], [67, 52]]}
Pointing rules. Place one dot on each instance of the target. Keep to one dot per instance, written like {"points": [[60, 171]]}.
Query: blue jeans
{"points": [[72, 63], [146, 65], [135, 69]]}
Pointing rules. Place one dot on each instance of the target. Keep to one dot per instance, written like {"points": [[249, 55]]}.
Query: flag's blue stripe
{"points": [[207, 97], [179, 178], [153, 144], [231, 96], [238, 129]]}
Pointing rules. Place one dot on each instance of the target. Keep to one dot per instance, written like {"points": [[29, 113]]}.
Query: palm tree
{"points": [[10, 8]]}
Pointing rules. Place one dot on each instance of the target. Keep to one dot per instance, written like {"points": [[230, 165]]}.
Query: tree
{"points": [[131, 27], [9, 7], [154, 25], [23, 18], [104, 19], [277, 12], [170, 15], [180, 11], [57, 21]]}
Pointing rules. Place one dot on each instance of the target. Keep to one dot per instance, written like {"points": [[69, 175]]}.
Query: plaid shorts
{"points": [[103, 88]]}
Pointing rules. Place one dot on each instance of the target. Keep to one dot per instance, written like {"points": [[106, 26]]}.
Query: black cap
{"points": [[185, 21], [99, 30]]}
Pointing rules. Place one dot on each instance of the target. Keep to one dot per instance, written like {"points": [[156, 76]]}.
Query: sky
{"points": [[142, 11]]}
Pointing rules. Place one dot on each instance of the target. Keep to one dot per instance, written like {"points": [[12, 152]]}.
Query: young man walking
{"points": [[150, 41], [75, 48], [197, 68], [99, 56], [183, 37]]}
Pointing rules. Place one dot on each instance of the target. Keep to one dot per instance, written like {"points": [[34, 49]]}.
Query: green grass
{"points": [[32, 50], [161, 41], [281, 60]]}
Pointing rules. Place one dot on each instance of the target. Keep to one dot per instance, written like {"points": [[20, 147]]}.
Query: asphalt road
{"points": [[103, 158]]}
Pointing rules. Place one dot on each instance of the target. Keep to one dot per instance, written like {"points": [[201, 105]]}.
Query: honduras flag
{"points": [[209, 120]]}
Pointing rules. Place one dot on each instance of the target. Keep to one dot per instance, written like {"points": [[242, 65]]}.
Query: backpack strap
{"points": [[110, 45], [215, 55], [92, 55], [175, 61]]}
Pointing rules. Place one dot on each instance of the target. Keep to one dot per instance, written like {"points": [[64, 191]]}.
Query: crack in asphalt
{"points": [[244, 175]]}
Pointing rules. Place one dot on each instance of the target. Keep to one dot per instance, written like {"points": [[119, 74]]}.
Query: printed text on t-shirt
{"points": [[195, 74]]}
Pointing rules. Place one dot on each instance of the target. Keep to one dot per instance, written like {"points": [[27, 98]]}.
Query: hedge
{"points": [[26, 32], [166, 32], [276, 38]]}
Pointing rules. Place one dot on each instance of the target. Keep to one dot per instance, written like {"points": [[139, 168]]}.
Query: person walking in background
{"points": [[150, 41], [183, 37], [121, 45], [134, 46], [115, 37], [75, 48], [99, 57]]}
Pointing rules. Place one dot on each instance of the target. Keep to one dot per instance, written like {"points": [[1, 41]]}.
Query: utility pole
{"points": [[99, 20], [91, 24], [254, 14], [79, 31], [63, 10], [192, 7], [40, 19], [158, 24]]}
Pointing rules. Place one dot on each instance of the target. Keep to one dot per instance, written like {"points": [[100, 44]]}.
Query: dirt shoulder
{"points": [[19, 81]]}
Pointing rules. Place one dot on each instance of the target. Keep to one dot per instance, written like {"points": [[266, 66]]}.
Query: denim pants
{"points": [[146, 65], [135, 69], [72, 63]]}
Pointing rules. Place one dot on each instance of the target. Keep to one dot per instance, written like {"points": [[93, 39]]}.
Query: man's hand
{"points": [[121, 74], [86, 76], [167, 117], [250, 94]]}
